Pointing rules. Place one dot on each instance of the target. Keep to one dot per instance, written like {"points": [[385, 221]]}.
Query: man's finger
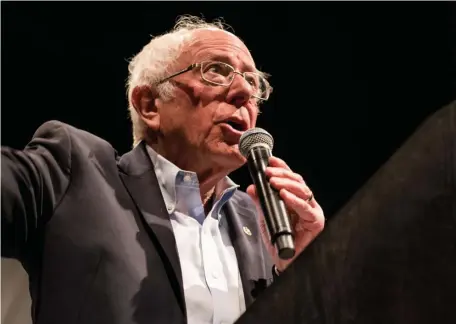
{"points": [[251, 191]]}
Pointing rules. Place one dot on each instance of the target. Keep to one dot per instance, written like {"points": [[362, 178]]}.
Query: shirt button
{"points": [[187, 178], [215, 274]]}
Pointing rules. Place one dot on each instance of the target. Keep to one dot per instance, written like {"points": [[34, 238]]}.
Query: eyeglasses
{"points": [[219, 73]]}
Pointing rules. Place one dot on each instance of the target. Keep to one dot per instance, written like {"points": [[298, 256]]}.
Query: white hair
{"points": [[151, 64]]}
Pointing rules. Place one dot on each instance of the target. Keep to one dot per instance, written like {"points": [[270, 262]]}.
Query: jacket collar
{"points": [[138, 175]]}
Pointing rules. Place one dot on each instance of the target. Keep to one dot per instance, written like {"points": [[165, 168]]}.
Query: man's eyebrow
{"points": [[228, 60]]}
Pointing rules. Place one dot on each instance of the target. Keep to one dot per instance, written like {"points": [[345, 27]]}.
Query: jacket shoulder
{"points": [[73, 138]]}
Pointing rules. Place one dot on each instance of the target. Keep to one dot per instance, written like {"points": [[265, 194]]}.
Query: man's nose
{"points": [[239, 92]]}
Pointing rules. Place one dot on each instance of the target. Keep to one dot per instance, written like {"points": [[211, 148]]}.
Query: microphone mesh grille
{"points": [[253, 137]]}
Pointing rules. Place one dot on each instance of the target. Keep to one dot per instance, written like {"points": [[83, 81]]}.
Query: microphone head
{"points": [[255, 137]]}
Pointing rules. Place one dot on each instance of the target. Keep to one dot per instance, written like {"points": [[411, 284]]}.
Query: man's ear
{"points": [[143, 100]]}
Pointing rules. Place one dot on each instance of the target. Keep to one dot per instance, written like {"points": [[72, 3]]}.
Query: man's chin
{"points": [[230, 157]]}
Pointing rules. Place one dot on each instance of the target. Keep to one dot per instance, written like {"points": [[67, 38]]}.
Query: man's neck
{"points": [[208, 175]]}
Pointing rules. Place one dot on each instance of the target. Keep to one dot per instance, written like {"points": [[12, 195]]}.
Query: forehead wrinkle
{"points": [[232, 50], [230, 59], [199, 42], [204, 40]]}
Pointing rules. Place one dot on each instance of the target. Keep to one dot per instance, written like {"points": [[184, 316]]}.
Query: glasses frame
{"points": [[200, 65]]}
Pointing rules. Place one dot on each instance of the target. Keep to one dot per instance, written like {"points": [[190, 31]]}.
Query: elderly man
{"points": [[161, 234]]}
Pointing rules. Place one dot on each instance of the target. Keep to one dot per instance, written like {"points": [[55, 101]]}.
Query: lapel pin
{"points": [[247, 231]]}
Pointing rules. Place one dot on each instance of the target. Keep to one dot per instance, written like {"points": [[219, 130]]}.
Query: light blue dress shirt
{"points": [[212, 283]]}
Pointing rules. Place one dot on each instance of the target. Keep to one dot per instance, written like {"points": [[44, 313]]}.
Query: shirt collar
{"points": [[168, 173]]}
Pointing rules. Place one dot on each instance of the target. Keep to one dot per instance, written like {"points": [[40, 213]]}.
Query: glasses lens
{"points": [[222, 74], [259, 85], [217, 72]]}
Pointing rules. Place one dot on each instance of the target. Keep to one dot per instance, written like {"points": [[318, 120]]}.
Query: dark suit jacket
{"points": [[93, 233]]}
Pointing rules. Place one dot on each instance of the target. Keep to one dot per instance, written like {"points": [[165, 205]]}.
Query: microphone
{"points": [[256, 146]]}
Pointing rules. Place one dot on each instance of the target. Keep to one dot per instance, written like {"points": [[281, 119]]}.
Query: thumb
{"points": [[251, 191]]}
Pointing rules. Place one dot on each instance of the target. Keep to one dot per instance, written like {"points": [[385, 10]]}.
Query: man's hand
{"points": [[307, 218]]}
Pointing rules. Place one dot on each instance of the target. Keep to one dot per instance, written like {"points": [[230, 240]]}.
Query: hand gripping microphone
{"points": [[256, 146]]}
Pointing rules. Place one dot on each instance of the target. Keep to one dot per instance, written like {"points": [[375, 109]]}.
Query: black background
{"points": [[351, 80]]}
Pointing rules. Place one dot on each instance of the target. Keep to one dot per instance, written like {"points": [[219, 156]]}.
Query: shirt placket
{"points": [[213, 269]]}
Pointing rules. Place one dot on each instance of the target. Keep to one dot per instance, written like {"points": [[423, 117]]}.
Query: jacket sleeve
{"points": [[33, 181]]}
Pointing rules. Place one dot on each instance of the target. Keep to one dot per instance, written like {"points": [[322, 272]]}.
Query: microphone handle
{"points": [[273, 207]]}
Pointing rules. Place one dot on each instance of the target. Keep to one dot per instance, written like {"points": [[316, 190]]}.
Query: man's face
{"points": [[194, 122]]}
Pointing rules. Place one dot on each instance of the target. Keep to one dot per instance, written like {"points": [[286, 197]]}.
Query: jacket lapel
{"points": [[138, 175], [254, 262]]}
